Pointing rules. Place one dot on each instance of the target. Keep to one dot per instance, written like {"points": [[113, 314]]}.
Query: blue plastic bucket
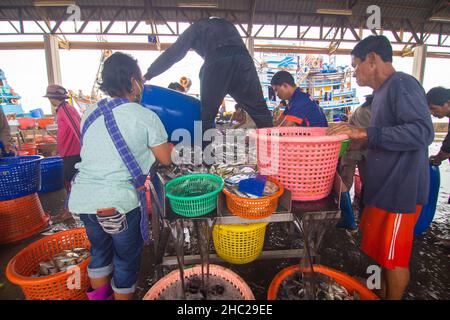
{"points": [[37, 113], [175, 109]]}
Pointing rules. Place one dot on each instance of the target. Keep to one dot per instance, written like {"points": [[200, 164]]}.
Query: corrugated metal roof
{"points": [[267, 11]]}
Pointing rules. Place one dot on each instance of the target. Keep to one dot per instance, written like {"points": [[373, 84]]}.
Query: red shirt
{"points": [[68, 130]]}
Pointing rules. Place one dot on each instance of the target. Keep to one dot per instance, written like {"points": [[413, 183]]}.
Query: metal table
{"points": [[301, 214]]}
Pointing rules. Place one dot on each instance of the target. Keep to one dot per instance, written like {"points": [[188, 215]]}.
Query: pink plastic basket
{"points": [[215, 270], [304, 160]]}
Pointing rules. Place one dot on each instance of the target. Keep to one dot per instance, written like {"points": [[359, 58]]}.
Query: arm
{"points": [[157, 138], [443, 154], [415, 129], [162, 153], [287, 123], [173, 54], [410, 109]]}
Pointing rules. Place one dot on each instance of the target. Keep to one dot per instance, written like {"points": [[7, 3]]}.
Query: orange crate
{"points": [[44, 122], [253, 208], [21, 218], [65, 285], [27, 123]]}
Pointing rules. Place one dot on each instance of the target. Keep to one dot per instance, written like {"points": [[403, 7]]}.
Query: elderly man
{"points": [[397, 175]]}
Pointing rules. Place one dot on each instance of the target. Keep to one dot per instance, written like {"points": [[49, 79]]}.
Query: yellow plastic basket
{"points": [[239, 243]]}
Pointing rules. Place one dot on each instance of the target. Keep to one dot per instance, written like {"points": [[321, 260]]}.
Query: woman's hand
{"points": [[163, 153]]}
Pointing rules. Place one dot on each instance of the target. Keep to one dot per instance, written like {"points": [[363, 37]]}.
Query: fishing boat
{"points": [[9, 99]]}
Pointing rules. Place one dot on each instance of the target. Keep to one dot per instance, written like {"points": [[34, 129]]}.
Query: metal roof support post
{"points": [[251, 46], [420, 56], [51, 47]]}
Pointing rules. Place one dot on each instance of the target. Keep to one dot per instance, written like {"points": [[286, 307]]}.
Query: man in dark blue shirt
{"points": [[397, 173], [301, 109]]}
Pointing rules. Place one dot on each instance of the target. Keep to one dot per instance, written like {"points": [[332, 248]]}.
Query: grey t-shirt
{"points": [[400, 131]]}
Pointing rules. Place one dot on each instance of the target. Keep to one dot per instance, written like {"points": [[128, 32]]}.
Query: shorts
{"points": [[387, 237], [117, 254]]}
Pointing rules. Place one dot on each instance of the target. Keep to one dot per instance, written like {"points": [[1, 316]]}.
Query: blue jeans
{"points": [[117, 254]]}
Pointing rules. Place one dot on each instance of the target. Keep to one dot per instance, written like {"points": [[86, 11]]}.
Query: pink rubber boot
{"points": [[103, 293]]}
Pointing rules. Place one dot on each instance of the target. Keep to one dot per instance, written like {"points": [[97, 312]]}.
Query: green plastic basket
{"points": [[344, 146], [194, 195]]}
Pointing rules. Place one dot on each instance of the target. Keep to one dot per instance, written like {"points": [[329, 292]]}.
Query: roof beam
{"points": [[414, 34], [238, 23], [137, 22], [108, 27], [259, 30], [147, 46], [251, 16], [85, 23], [165, 21], [282, 31], [12, 24]]}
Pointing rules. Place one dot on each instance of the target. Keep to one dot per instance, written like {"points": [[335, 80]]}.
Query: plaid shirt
{"points": [[105, 109]]}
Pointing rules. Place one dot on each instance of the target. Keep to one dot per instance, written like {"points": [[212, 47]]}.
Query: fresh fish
{"points": [[62, 261]]}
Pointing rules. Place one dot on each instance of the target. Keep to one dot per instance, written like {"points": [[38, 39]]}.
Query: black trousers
{"points": [[235, 75]]}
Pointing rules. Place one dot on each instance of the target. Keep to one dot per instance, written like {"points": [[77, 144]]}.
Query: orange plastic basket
{"points": [[69, 285], [215, 270], [44, 122], [253, 208], [349, 283], [26, 123], [21, 218], [304, 160]]}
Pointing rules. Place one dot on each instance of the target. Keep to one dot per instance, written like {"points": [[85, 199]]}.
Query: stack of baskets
{"points": [[52, 175], [195, 195], [243, 243], [21, 213]]}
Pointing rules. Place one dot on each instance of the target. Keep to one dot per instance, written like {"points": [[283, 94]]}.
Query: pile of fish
{"points": [[223, 170], [326, 288], [232, 185], [62, 261]]}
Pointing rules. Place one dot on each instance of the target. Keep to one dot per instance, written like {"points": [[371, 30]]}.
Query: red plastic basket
{"points": [[304, 160], [349, 283], [69, 285], [29, 147], [21, 218]]}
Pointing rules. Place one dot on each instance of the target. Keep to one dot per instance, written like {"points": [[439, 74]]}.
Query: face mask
{"points": [[138, 97]]}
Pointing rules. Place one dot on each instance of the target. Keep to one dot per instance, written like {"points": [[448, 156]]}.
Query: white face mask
{"points": [[138, 97]]}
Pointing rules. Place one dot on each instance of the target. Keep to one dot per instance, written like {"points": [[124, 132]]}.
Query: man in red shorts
{"points": [[397, 176]]}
